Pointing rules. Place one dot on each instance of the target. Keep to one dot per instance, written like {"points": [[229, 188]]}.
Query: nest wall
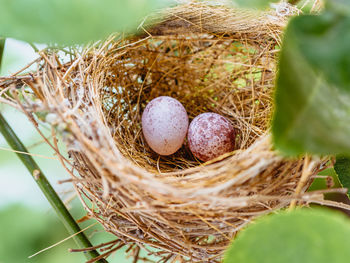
{"points": [[175, 207]]}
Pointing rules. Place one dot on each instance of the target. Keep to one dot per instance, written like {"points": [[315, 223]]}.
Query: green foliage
{"points": [[305, 235], [71, 21], [322, 183], [25, 231], [324, 42], [254, 3], [339, 6], [313, 95], [342, 168]]}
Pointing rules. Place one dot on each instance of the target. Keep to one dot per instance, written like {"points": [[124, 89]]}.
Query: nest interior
{"points": [[183, 208], [204, 72]]}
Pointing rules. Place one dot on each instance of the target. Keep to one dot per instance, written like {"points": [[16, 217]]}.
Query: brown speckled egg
{"points": [[164, 125], [210, 135]]}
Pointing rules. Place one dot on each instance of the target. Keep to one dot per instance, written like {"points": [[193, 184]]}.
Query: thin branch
{"points": [[95, 247], [61, 241], [50, 194], [303, 179], [31, 154]]}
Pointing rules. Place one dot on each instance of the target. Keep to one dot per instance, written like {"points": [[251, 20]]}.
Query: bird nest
{"points": [[211, 59]]}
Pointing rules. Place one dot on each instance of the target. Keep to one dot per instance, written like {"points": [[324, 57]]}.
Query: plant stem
{"points": [[47, 189], [33, 47], [2, 47]]}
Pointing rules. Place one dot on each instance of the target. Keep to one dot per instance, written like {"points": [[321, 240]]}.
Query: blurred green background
{"points": [[27, 223]]}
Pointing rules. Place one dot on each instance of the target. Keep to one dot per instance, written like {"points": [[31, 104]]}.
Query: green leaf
{"points": [[254, 3], [342, 168], [312, 100], [71, 21], [322, 182], [304, 235], [324, 42]]}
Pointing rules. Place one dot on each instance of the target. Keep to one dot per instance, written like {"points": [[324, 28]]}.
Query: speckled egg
{"points": [[164, 125], [210, 135]]}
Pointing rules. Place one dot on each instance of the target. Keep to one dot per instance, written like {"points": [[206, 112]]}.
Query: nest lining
{"points": [[185, 209], [204, 74]]}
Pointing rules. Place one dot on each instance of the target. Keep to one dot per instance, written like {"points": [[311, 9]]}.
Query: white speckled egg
{"points": [[210, 135], [164, 125]]}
